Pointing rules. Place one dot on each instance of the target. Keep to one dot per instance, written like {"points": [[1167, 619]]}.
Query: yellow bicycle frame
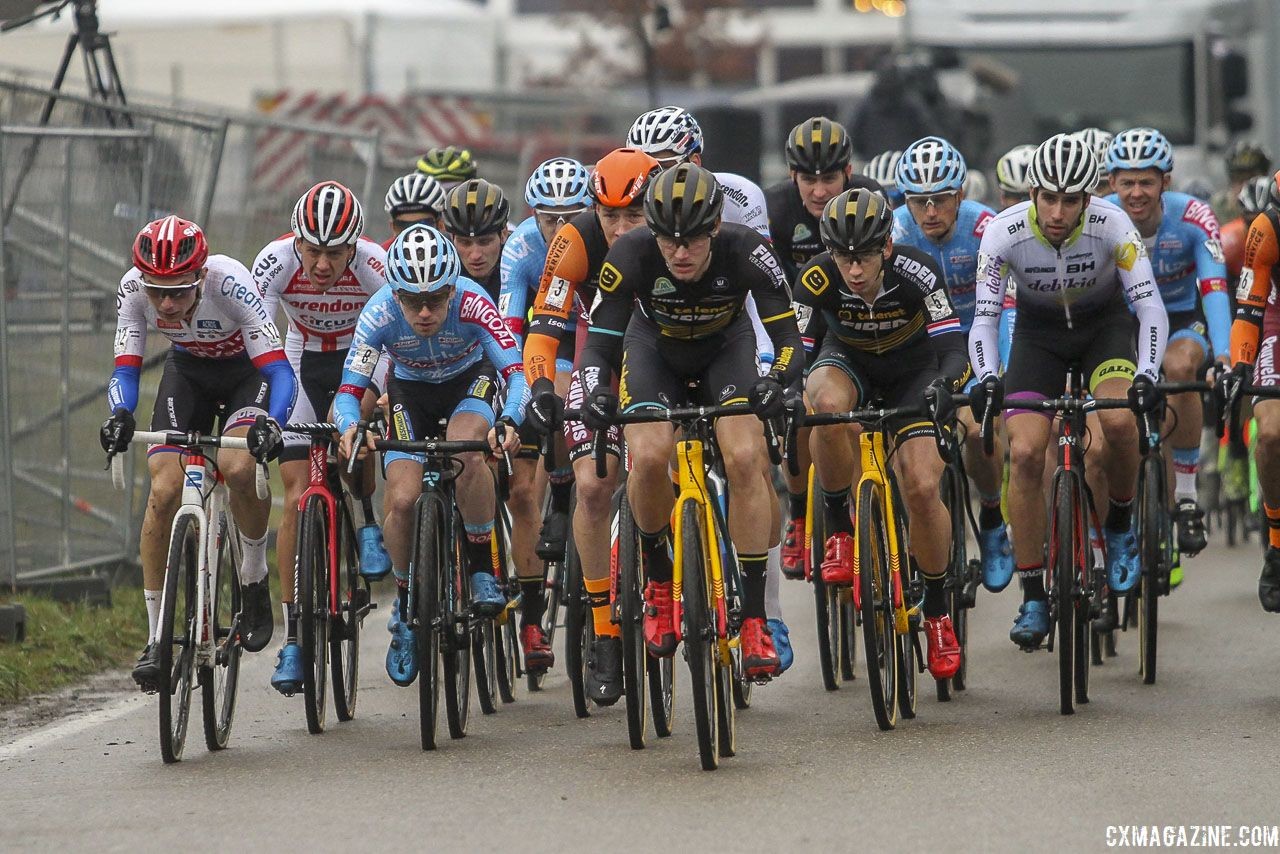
{"points": [[691, 479], [871, 445]]}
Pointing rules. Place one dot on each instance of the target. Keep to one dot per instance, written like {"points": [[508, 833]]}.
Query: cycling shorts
{"points": [[196, 391], [1043, 353], [897, 379], [1190, 325], [319, 374], [417, 408], [657, 371], [579, 437]]}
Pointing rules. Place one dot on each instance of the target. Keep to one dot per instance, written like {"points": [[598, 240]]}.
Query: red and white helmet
{"points": [[170, 247], [328, 215]]}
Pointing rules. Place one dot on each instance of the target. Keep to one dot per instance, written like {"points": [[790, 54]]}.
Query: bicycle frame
{"points": [[194, 498], [691, 477], [318, 487], [875, 470]]}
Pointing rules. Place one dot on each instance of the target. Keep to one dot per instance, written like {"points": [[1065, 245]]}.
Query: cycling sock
{"points": [[152, 598], [1273, 525], [254, 566], [532, 603], [935, 596], [402, 576], [796, 504], [1186, 462], [838, 507], [773, 585], [657, 560], [561, 489], [753, 570], [290, 622], [598, 598], [366, 512], [989, 515], [1032, 576], [480, 547], [1119, 514]]}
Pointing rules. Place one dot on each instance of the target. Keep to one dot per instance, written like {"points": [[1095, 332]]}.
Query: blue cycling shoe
{"points": [[997, 558], [288, 676], [402, 656], [486, 599], [1032, 625], [781, 643], [374, 561], [394, 619], [1122, 560]]}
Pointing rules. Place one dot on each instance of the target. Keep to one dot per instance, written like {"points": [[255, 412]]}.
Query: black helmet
{"points": [[1247, 158], [818, 145], [476, 207], [683, 201], [855, 221]]}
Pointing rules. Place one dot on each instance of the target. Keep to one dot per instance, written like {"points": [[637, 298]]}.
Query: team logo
{"points": [[815, 280], [801, 232], [663, 286], [610, 278]]}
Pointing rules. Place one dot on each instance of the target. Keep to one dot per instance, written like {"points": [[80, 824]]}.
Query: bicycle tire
{"points": [[312, 585], [1066, 541], [630, 605], [508, 643], [828, 656], [879, 646], [484, 657], [726, 704], [662, 694], [427, 565], [177, 637], [579, 629], [954, 494], [848, 637], [1151, 531], [220, 682], [505, 646], [456, 645], [699, 635], [344, 628]]}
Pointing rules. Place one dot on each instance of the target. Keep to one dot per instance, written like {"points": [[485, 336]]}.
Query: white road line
{"points": [[45, 736]]}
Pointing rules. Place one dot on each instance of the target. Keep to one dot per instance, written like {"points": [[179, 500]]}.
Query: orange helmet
{"points": [[621, 176]]}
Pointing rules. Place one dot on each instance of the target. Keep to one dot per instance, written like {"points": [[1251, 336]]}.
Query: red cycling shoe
{"points": [[837, 562], [537, 652], [793, 549], [659, 620], [944, 649], [759, 658]]}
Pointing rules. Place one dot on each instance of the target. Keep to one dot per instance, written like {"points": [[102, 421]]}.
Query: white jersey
{"points": [[318, 320], [1068, 285], [744, 202]]}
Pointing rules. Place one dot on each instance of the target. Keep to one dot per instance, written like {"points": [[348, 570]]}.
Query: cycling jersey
{"points": [[227, 321], [743, 202], [1100, 260], [1187, 258], [523, 257], [957, 256], [472, 331], [794, 229], [1256, 293]]}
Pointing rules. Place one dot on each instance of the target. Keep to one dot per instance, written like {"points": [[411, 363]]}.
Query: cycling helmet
{"points": [[328, 215], [976, 186], [855, 221], [1258, 194], [476, 207], [451, 163], [415, 193], [421, 260], [1012, 169], [683, 201], [1063, 163], [930, 165], [1140, 148], [621, 177], [170, 247], [818, 145], [1097, 139], [1247, 158], [883, 168], [560, 182], [671, 129]]}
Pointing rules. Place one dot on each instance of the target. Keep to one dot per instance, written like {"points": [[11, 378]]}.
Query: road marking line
{"points": [[47, 735]]}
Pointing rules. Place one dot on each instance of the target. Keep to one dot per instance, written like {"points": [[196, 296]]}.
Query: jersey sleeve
{"points": [[501, 345], [812, 294], [773, 302], [757, 212], [130, 342], [984, 334], [1211, 274], [361, 364], [564, 270], [517, 280], [269, 277], [1138, 279], [1261, 254], [618, 283], [370, 266]]}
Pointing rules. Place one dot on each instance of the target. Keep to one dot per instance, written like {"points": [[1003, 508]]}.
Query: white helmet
{"points": [[1064, 163], [883, 168], [414, 193], [671, 129], [1012, 169]]}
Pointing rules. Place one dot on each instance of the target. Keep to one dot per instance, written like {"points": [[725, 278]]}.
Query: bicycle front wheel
{"points": [[1151, 537], [699, 635], [344, 633], [178, 637], [876, 593], [630, 606], [1068, 541], [828, 629], [220, 681], [484, 652], [428, 561], [312, 584], [457, 646], [579, 629]]}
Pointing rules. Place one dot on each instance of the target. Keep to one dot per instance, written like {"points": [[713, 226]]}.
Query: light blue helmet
{"points": [[421, 260], [560, 182], [1140, 148], [930, 165]]}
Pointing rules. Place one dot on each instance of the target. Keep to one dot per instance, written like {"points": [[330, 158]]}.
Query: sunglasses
{"points": [[671, 244], [938, 200], [415, 303]]}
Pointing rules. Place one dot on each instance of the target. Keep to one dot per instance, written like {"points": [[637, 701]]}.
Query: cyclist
{"points": [[1256, 196], [413, 198], [938, 220], [1099, 141], [450, 165], [883, 169], [322, 273], [1011, 175], [1244, 160], [1182, 239], [891, 333], [475, 218], [557, 191], [226, 362], [566, 289], [447, 345], [1075, 258], [689, 278]]}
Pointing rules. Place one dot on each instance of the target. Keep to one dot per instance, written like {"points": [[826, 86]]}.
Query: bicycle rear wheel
{"points": [[630, 605], [220, 682], [848, 636], [178, 637], [876, 594], [484, 652], [699, 635], [312, 584], [552, 596], [505, 644], [953, 494], [428, 562], [1151, 536], [1068, 542], [579, 630], [344, 628], [456, 646]]}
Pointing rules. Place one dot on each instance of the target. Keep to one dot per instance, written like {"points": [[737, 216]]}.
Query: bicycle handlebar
{"points": [[187, 441]]}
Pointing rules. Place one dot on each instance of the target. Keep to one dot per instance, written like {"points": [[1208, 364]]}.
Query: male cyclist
{"points": [[225, 363], [447, 345], [565, 291], [938, 220], [413, 198], [475, 218], [688, 279], [322, 273], [1011, 175], [1181, 237], [1075, 259], [557, 191], [1099, 141], [450, 165], [892, 333], [883, 169]]}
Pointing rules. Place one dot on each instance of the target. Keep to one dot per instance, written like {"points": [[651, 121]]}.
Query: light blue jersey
{"points": [[957, 256]]}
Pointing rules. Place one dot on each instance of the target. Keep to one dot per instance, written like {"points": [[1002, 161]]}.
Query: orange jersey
{"points": [[1256, 289]]}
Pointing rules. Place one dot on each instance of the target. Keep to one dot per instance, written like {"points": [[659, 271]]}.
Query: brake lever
{"points": [[362, 429]]}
